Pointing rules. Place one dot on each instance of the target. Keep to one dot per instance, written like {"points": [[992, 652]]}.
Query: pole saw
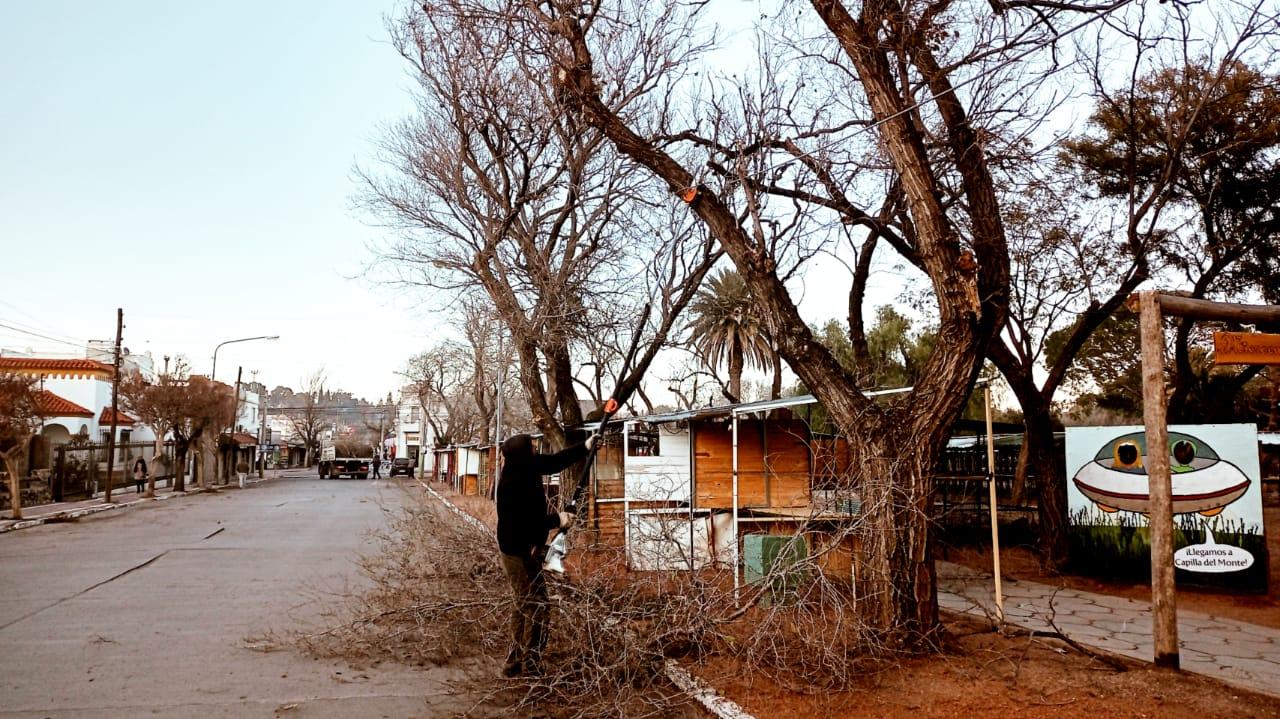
{"points": [[558, 548]]}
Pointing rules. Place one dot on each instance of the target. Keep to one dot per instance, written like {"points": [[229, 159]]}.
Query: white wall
{"points": [[248, 417], [665, 477], [667, 540]]}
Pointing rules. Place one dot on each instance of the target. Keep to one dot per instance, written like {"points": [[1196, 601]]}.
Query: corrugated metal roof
{"points": [[741, 408]]}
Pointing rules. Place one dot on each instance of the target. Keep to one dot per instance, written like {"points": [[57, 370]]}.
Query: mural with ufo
{"points": [[1217, 504]]}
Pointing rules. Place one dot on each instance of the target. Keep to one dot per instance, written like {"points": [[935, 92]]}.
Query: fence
{"points": [[962, 496], [81, 470]]}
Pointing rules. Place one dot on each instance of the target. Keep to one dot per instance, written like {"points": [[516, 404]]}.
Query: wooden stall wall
{"points": [[774, 466], [607, 490]]}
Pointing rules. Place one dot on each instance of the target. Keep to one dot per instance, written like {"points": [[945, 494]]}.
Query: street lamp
{"points": [[213, 375]]}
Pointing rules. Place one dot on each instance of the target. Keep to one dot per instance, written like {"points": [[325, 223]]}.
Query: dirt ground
{"points": [[1264, 609], [983, 674], [987, 675]]}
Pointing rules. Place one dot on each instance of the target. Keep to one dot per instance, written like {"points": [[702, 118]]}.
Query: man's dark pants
{"points": [[529, 615]]}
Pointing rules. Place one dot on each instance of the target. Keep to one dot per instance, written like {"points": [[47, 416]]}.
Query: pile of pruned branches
{"points": [[438, 596]]}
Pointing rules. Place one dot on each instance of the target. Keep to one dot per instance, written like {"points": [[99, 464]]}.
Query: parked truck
{"points": [[341, 457]]}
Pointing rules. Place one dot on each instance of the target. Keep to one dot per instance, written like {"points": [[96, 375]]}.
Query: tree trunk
{"points": [[1051, 481], [735, 372], [179, 464], [151, 477], [775, 392], [15, 481], [897, 581]]}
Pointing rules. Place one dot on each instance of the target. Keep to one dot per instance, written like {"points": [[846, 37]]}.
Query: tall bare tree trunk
{"points": [[15, 480], [151, 478], [179, 466], [1051, 483]]}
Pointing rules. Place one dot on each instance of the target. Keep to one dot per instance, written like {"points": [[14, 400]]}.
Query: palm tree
{"points": [[726, 329]]}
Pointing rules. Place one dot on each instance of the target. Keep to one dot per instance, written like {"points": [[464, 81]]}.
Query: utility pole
{"points": [[235, 414], [262, 432], [115, 399]]}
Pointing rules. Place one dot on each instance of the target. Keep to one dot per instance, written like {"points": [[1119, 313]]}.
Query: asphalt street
{"points": [[152, 611]]}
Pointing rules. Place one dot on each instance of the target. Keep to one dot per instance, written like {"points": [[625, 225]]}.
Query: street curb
{"points": [[86, 511], [705, 695]]}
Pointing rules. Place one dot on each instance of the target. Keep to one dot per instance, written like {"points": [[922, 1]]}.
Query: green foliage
{"points": [[726, 327], [1107, 371], [897, 353]]}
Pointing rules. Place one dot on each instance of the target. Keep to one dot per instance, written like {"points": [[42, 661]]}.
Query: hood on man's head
{"points": [[520, 445]]}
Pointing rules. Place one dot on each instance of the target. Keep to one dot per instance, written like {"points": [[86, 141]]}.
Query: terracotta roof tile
{"points": [[121, 417], [51, 405], [71, 367]]}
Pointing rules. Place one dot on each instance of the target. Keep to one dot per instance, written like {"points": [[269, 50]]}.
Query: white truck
{"points": [[344, 457]]}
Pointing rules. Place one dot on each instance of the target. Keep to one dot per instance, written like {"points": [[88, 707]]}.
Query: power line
{"points": [[42, 336], [39, 327]]}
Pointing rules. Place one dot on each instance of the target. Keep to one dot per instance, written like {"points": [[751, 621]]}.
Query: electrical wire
{"points": [[42, 336]]}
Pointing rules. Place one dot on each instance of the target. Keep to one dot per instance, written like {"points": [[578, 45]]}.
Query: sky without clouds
{"points": [[192, 163]]}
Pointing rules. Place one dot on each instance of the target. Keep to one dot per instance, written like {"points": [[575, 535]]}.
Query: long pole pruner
{"points": [[558, 547]]}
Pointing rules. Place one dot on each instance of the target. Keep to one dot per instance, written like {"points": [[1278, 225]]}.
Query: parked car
{"points": [[401, 465]]}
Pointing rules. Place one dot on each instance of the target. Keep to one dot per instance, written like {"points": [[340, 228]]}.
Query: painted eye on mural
{"points": [[1127, 455], [1184, 452]]}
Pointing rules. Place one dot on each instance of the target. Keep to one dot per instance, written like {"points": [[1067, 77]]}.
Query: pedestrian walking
{"points": [[377, 462], [523, 524], [140, 474]]}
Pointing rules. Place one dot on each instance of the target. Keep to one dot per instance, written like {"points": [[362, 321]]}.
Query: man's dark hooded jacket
{"points": [[523, 516]]}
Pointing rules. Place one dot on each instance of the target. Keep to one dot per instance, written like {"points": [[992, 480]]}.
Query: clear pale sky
{"points": [[191, 163]]}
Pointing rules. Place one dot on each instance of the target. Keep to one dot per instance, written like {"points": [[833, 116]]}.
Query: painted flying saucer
{"points": [[1116, 479]]}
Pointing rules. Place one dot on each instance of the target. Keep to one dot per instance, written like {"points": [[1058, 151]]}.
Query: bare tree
{"points": [[443, 378], [936, 157], [187, 407], [308, 415], [160, 405], [1077, 258], [503, 197], [20, 418]]}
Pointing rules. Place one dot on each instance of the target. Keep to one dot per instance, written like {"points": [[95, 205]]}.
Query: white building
{"points": [[76, 395], [413, 435]]}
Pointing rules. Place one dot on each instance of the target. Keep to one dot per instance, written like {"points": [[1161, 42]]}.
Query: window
{"points": [[642, 440], [125, 434], [413, 414]]}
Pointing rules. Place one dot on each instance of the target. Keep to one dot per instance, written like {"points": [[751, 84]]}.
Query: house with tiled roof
{"points": [[75, 395]]}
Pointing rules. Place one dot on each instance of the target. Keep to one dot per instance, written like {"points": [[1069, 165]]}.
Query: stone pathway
{"points": [[1246, 655]]}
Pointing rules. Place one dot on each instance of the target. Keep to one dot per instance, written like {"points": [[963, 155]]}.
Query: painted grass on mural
{"points": [[1119, 547]]}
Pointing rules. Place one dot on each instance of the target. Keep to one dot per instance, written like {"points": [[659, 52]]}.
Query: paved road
{"points": [[146, 612]]}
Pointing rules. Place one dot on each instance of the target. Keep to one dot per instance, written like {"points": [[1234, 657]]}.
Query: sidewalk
{"points": [[122, 498], [1246, 655]]}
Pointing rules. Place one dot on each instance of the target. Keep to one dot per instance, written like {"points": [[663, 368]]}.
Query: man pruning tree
{"points": [[523, 524]]}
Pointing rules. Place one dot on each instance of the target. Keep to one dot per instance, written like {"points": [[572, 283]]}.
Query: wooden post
{"points": [[1164, 613], [995, 514]]}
